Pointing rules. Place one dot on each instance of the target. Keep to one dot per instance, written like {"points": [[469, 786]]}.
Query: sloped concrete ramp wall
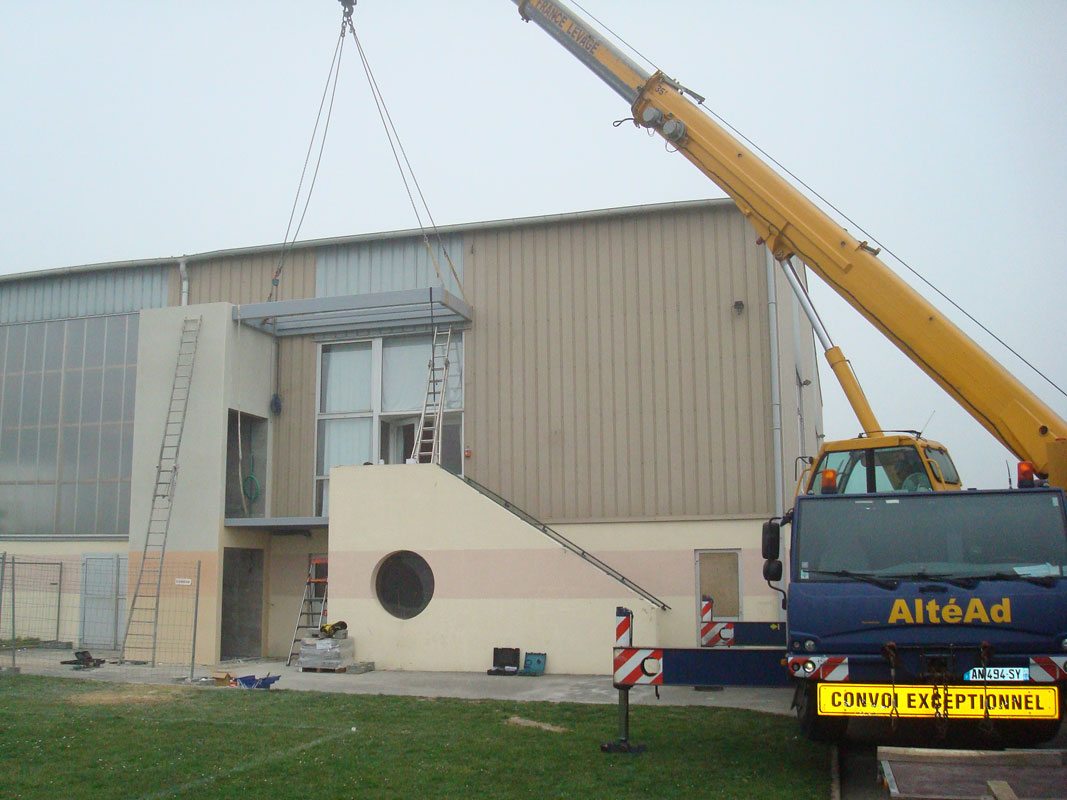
{"points": [[498, 582]]}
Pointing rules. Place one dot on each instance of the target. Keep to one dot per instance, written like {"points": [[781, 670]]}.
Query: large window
{"points": [[371, 394], [66, 426]]}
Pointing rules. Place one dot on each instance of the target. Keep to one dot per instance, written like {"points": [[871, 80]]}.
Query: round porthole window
{"points": [[404, 584]]}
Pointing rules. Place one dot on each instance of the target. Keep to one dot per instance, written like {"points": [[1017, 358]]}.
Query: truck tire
{"points": [[813, 725]]}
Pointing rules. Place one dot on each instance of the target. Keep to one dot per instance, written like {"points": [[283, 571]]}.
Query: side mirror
{"points": [[772, 570], [772, 539]]}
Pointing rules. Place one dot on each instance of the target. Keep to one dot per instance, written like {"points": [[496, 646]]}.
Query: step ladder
{"points": [[427, 449], [142, 625], [312, 614]]}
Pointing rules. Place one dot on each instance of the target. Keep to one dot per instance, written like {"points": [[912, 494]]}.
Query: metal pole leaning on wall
{"points": [[196, 614]]}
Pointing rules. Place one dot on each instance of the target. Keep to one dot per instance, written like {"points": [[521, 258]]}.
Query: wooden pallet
{"points": [[909, 772]]}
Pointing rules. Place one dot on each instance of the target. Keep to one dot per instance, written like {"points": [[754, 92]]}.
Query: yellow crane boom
{"points": [[791, 224]]}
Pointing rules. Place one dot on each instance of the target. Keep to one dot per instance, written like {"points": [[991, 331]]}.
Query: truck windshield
{"points": [[877, 469], [956, 536]]}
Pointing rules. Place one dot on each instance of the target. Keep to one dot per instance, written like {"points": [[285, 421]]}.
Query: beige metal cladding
{"points": [[246, 278], [293, 476], [610, 374]]}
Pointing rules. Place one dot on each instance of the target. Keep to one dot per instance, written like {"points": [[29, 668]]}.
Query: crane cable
{"points": [[287, 244], [835, 209], [399, 153]]}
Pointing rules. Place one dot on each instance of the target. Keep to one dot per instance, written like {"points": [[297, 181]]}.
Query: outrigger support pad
{"points": [[623, 745]]}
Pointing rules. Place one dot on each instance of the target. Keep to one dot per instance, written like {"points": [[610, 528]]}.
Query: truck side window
{"points": [[903, 468], [851, 469], [944, 462]]}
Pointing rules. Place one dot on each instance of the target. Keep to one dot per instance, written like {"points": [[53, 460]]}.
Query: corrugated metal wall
{"points": [[293, 478], [388, 265], [608, 373], [84, 294], [245, 278]]}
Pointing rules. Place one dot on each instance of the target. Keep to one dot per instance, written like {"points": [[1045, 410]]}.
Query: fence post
{"points": [[59, 601], [196, 614], [14, 639], [3, 569]]}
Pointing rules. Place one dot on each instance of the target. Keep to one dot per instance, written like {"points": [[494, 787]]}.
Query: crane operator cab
{"points": [[896, 463]]}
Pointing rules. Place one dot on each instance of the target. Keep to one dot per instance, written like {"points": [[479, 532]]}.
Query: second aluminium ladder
{"points": [[142, 625], [312, 614], [427, 449]]}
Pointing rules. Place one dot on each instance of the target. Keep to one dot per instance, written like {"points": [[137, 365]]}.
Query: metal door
{"points": [[103, 601]]}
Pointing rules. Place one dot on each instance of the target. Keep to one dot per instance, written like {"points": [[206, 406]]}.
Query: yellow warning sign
{"points": [[971, 701]]}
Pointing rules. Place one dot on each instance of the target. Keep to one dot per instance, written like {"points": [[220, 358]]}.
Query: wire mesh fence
{"points": [[72, 613]]}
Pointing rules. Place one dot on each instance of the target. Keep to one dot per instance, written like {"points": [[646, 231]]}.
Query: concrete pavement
{"points": [[479, 686], [464, 685]]}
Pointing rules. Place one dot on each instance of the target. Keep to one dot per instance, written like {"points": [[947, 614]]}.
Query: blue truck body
{"points": [[946, 606]]}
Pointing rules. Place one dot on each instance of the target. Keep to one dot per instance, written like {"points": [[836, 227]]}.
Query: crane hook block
{"points": [[348, 6]]}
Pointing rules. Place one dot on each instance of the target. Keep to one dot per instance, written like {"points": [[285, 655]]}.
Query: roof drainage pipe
{"points": [[776, 397], [776, 389]]}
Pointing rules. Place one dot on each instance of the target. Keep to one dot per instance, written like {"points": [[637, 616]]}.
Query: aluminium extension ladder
{"points": [[427, 449], [142, 625], [312, 614]]}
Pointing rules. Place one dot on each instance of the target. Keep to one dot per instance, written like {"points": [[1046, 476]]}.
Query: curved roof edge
{"points": [[334, 241]]}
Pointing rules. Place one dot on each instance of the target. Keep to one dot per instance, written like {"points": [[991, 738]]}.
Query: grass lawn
{"points": [[78, 738]]}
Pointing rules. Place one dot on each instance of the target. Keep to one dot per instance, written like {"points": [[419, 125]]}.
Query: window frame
{"points": [[376, 414]]}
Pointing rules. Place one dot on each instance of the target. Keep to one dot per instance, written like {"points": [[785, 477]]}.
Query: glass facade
{"points": [[370, 392], [66, 426]]}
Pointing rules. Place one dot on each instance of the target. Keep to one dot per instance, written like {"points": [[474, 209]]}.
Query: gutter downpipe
{"points": [[776, 389], [776, 398], [185, 282]]}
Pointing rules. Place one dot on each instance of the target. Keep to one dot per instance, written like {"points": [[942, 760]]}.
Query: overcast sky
{"points": [[148, 129]]}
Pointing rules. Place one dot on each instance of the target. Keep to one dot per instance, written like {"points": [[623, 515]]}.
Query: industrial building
{"points": [[637, 383]]}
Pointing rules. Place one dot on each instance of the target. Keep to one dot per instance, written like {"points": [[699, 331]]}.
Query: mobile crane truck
{"points": [[903, 604]]}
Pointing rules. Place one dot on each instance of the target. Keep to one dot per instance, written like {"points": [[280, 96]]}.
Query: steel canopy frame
{"points": [[319, 315]]}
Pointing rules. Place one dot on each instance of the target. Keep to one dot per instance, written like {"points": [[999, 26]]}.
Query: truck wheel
{"points": [[812, 724]]}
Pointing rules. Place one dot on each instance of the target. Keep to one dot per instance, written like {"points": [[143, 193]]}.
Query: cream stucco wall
{"points": [[502, 583], [232, 370]]}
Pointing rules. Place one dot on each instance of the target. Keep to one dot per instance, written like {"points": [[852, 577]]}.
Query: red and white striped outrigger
{"points": [[731, 654], [712, 633]]}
